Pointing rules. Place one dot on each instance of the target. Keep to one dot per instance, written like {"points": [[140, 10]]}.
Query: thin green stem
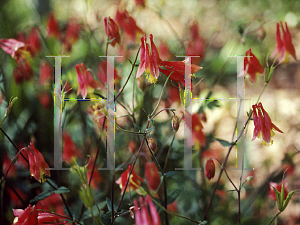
{"points": [[274, 218]]}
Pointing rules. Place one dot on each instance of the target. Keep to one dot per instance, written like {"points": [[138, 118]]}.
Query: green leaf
{"points": [[62, 190], [136, 127], [277, 198], [87, 214], [246, 186], [108, 202], [213, 104], [41, 196], [230, 190], [173, 195], [288, 198], [224, 143], [172, 173]]}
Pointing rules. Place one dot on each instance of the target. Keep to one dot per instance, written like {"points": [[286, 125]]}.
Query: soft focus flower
{"points": [[140, 3], [52, 203], [70, 150], [198, 136], [149, 63], [33, 43], [196, 45], [6, 162], [263, 125], [252, 66], [86, 82], [152, 175], [26, 217], [134, 180], [39, 169], [22, 72], [178, 69], [14, 195], [284, 45], [46, 73], [52, 26], [164, 51], [112, 31], [142, 216], [72, 34], [11, 46], [210, 169], [132, 146], [102, 73], [127, 24], [44, 99]]}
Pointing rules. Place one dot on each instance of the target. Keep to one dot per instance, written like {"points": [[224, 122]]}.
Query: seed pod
{"points": [[175, 123], [210, 169], [152, 144]]}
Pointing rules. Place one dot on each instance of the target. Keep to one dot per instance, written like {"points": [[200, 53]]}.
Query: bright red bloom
{"points": [[278, 186], [149, 64], [39, 169], [210, 169], [179, 70], [252, 66], [26, 217], [197, 44], [11, 46], [127, 24], [86, 82], [152, 175], [52, 203], [112, 31], [284, 46], [46, 73], [142, 216], [135, 180], [72, 34], [263, 126], [70, 150], [52, 26], [33, 43]]}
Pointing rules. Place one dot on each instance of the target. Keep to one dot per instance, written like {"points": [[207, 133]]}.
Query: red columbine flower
{"points": [[52, 26], [70, 150], [263, 125], [149, 64], [46, 73], [11, 46], [142, 216], [178, 69], [278, 187], [135, 180], [26, 217], [196, 46], [196, 129], [33, 43], [37, 164], [284, 46], [112, 31], [210, 169], [252, 66], [86, 82], [152, 175]]}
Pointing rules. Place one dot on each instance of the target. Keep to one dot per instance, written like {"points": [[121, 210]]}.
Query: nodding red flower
{"points": [[33, 43], [127, 24], [278, 187], [26, 217], [53, 27], [284, 46], [72, 34], [252, 66], [197, 44], [142, 216], [134, 180], [263, 126], [11, 46], [86, 82], [152, 175], [39, 169], [112, 31], [149, 63], [198, 136], [210, 169], [178, 69], [30, 216]]}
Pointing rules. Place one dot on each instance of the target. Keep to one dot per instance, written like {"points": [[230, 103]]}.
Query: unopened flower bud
{"points": [[175, 123], [210, 169], [152, 144], [249, 178]]}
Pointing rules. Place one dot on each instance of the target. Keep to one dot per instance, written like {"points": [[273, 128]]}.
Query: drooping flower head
{"points": [[198, 137], [284, 45], [39, 169], [142, 216], [149, 63], [263, 126], [252, 66], [26, 217], [11, 46], [152, 175], [112, 31], [53, 27], [134, 180], [72, 34]]}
